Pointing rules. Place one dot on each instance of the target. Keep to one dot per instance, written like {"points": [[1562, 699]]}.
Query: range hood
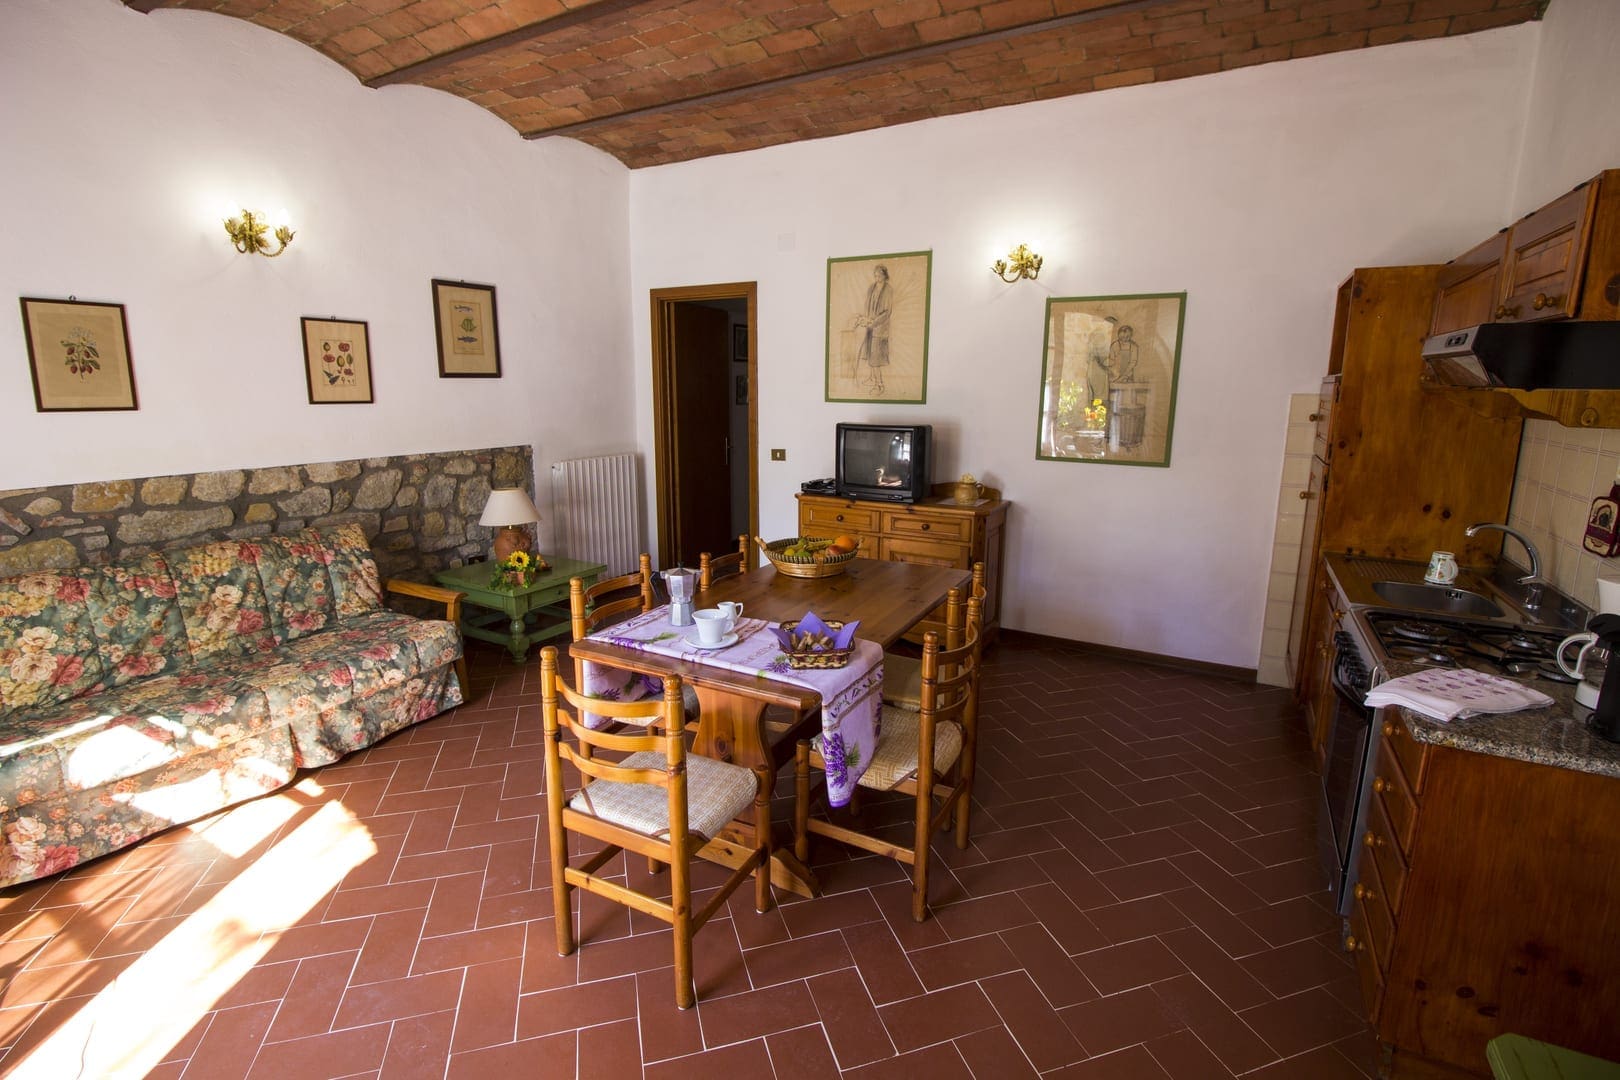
{"points": [[1550, 355]]}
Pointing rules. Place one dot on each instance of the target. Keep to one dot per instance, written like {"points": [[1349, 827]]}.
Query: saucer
{"points": [[724, 643]]}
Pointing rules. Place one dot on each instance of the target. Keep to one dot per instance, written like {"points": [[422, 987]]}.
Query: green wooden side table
{"points": [[519, 617]]}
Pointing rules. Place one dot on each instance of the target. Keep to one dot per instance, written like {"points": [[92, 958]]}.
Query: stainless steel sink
{"points": [[1443, 599]]}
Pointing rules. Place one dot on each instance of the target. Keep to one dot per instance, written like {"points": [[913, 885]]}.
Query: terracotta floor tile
{"points": [[740, 1061], [993, 1052], [1132, 1063], [571, 1007], [883, 965], [985, 915], [487, 1011], [1032, 1022], [1301, 1022], [797, 959], [962, 961], [1134, 919], [763, 1012], [1120, 1020], [1182, 1054], [1322, 1063], [313, 996], [1226, 1035], [809, 917], [853, 1027], [233, 1036], [1299, 966], [1135, 963], [468, 948], [336, 1054], [418, 1047], [801, 1054], [942, 1062], [609, 1051], [542, 1059], [666, 1032], [937, 1016]]}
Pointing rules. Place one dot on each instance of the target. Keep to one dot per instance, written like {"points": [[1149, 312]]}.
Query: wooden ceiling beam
{"points": [[854, 67], [426, 68]]}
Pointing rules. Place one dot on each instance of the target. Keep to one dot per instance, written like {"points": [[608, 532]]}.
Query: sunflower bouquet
{"points": [[515, 571]]}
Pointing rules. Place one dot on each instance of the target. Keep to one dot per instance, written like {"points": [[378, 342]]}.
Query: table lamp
{"points": [[508, 510]]}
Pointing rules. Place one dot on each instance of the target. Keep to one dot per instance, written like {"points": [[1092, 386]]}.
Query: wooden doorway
{"points": [[699, 451]]}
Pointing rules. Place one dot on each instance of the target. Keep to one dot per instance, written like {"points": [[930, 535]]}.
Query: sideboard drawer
{"points": [[930, 552], [929, 527], [830, 521], [1400, 806], [1379, 843]]}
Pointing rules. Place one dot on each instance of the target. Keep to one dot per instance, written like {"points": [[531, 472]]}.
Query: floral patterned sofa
{"points": [[158, 690]]}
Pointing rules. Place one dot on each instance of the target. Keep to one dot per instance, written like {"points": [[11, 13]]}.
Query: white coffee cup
{"points": [[1442, 568], [712, 625], [733, 611]]}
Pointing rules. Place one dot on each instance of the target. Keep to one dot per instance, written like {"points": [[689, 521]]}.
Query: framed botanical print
{"points": [[877, 328], [337, 361], [469, 337], [1108, 378], [78, 355]]}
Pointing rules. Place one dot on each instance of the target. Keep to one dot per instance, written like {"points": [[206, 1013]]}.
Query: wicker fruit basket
{"points": [[808, 653], [818, 564]]}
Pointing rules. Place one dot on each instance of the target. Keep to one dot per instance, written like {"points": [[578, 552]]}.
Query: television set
{"points": [[888, 462]]}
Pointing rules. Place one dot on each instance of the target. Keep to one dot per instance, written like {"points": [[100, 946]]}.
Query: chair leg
{"points": [[654, 866], [919, 866], [762, 837], [801, 800], [680, 901], [560, 889], [964, 783]]}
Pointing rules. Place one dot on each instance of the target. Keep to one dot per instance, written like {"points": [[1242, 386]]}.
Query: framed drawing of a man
{"points": [[1108, 378], [877, 327]]}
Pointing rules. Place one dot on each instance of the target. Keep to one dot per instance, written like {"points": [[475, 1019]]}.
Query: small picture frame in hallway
{"points": [[78, 355], [877, 327], [468, 333], [337, 361], [742, 389], [739, 343]]}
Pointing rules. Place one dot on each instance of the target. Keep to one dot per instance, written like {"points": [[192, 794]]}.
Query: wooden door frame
{"points": [[664, 419]]}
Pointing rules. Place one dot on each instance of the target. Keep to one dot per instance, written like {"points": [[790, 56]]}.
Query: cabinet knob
{"points": [[925, 526], [1380, 785], [1353, 943], [1315, 417], [1364, 893], [1543, 301], [1389, 728], [1307, 494], [1505, 312], [1372, 839], [840, 517]]}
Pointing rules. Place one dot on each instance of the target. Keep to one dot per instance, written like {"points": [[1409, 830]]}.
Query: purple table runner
{"points": [[850, 695]]}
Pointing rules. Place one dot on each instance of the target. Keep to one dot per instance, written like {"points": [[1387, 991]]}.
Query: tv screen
{"points": [[883, 461]]}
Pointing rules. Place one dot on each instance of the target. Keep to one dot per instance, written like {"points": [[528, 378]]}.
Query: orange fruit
{"points": [[846, 543]]}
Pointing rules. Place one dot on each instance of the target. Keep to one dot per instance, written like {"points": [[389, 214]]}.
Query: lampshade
{"points": [[508, 506]]}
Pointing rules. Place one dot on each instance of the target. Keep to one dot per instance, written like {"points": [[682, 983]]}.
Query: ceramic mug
{"points": [[733, 612], [1585, 640], [713, 625], [1442, 568]]}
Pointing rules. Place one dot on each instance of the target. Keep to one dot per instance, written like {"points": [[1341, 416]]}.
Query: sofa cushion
{"points": [[222, 600], [356, 586], [94, 740], [297, 586], [47, 646], [383, 648], [135, 614]]}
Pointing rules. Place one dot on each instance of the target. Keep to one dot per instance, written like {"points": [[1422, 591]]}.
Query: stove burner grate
{"points": [[1415, 630]]}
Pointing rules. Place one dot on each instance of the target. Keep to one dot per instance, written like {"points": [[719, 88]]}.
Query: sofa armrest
{"points": [[450, 598]]}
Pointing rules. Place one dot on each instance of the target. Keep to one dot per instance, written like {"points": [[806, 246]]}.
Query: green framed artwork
{"points": [[877, 327], [1108, 378]]}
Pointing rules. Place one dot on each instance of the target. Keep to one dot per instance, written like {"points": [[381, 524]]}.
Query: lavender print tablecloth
{"points": [[850, 696]]}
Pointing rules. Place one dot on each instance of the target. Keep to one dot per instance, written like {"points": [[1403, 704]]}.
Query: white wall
{"points": [[123, 134], [1573, 131], [1255, 191]]}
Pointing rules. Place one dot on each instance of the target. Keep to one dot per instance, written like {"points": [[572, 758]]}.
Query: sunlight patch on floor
{"points": [[129, 1027]]}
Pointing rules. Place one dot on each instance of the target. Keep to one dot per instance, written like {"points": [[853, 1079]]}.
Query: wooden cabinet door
{"points": [[1469, 287], [1307, 570], [1323, 417], [1545, 258]]}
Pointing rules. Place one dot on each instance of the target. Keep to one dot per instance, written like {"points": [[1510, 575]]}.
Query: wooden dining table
{"points": [[889, 598]]}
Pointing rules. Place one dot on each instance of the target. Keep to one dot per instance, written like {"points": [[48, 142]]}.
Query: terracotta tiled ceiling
{"points": [[655, 81]]}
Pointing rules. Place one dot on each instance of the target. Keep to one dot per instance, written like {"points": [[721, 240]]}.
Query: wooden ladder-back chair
{"points": [[927, 754], [712, 568], [656, 800], [902, 675]]}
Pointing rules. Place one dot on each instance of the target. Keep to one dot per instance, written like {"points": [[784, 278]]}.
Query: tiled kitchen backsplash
{"points": [[1560, 470]]}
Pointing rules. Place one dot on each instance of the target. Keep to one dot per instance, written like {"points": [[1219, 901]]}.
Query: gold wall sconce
{"points": [[1019, 263], [247, 234]]}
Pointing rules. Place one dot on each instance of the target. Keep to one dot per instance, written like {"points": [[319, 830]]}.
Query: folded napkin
{"points": [[1448, 693], [813, 627]]}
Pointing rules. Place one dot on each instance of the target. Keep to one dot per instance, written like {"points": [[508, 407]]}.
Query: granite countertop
{"points": [[1556, 735]]}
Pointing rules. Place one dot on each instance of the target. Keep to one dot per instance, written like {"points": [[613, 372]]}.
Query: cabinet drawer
{"points": [[929, 552], [929, 526], [1379, 841], [1400, 806], [1361, 947], [1412, 755], [1375, 914], [819, 520]]}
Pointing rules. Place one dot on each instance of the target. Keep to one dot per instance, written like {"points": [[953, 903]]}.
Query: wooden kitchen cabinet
{"points": [[938, 531], [1468, 289], [1401, 468], [1488, 901]]}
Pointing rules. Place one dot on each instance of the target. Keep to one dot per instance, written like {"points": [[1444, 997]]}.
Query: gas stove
{"points": [[1403, 639]]}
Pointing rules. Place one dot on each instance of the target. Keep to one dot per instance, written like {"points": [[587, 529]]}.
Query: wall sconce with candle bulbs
{"points": [[247, 233], [1019, 263]]}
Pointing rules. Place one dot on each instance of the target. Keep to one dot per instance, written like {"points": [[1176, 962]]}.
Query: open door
{"points": [[706, 475]]}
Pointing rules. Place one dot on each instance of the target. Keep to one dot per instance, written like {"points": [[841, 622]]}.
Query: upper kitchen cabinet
{"points": [[1470, 287], [1546, 256]]}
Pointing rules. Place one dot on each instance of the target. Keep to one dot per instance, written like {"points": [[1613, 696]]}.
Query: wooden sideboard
{"points": [[938, 531]]}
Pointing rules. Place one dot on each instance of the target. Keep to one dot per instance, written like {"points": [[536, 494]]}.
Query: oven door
{"points": [[1344, 772]]}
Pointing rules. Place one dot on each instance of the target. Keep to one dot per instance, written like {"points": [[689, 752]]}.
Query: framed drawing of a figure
{"points": [[1108, 378], [877, 328]]}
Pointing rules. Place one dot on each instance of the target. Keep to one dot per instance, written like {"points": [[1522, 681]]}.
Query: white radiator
{"points": [[596, 502]]}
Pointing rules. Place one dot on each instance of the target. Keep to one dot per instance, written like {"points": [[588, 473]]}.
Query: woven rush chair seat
{"points": [[717, 791], [895, 759]]}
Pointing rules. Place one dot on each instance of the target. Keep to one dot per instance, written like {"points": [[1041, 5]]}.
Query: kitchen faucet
{"points": [[1532, 580]]}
